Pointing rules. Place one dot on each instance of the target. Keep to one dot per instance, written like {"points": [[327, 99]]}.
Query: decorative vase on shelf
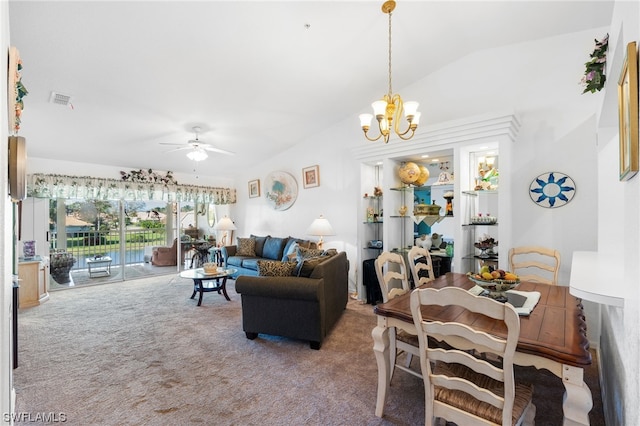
{"points": [[449, 207], [409, 172], [402, 210], [29, 249]]}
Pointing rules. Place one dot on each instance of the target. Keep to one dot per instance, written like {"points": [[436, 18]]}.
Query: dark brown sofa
{"points": [[296, 307]]}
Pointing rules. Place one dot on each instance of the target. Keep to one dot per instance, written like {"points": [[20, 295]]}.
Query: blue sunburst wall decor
{"points": [[552, 189]]}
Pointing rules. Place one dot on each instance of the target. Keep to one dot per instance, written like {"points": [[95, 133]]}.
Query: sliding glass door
{"points": [[110, 240]]}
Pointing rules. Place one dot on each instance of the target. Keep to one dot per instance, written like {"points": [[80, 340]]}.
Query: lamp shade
{"points": [[320, 227], [225, 224]]}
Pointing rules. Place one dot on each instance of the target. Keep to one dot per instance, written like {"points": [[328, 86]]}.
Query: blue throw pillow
{"points": [[259, 244], [273, 248]]}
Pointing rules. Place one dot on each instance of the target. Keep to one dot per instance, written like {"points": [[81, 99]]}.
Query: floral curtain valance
{"points": [[91, 188]]}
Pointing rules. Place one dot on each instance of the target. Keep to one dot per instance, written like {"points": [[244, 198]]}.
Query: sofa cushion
{"points": [[273, 248], [275, 268], [259, 244], [251, 263], [306, 267], [235, 260]]}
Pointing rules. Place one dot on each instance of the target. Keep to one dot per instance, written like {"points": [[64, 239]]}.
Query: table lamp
{"points": [[320, 227], [225, 224]]}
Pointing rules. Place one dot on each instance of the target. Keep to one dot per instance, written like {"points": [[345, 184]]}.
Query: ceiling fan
{"points": [[197, 149]]}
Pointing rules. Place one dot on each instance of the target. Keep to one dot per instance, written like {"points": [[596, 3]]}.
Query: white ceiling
{"points": [[251, 74]]}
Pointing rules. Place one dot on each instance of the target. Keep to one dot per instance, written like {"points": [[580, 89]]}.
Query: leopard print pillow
{"points": [[246, 247], [305, 253], [275, 268]]}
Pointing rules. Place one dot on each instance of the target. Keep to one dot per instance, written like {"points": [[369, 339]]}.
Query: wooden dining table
{"points": [[552, 337]]}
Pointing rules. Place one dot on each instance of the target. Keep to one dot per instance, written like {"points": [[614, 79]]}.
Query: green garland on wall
{"points": [[594, 75]]}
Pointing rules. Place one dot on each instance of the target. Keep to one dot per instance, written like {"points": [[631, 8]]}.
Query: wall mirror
{"points": [[211, 215]]}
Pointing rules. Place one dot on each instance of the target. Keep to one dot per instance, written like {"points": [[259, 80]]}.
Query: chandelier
{"points": [[389, 109]]}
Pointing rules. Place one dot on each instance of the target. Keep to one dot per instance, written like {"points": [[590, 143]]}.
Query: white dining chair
{"points": [[459, 386], [393, 279], [535, 263], [421, 265]]}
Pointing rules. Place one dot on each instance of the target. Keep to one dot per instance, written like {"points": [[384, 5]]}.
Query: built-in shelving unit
{"points": [[463, 142], [374, 221], [400, 220]]}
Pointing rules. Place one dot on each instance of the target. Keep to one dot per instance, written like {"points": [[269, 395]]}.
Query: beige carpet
{"points": [[142, 353]]}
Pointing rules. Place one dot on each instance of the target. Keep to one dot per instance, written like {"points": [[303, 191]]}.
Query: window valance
{"points": [[92, 188]]}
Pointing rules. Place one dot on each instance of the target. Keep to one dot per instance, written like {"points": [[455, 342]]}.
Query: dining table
{"points": [[552, 337]]}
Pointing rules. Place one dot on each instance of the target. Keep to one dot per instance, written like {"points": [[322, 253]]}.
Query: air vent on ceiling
{"points": [[60, 99]]}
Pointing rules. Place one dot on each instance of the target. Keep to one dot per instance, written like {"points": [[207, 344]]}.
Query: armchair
{"points": [[165, 256]]}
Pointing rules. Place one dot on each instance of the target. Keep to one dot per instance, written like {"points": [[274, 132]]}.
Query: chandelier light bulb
{"points": [[410, 108], [379, 107], [365, 120]]}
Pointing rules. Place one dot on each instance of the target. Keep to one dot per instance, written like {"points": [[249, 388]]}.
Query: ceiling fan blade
{"points": [[170, 143], [218, 150], [182, 148]]}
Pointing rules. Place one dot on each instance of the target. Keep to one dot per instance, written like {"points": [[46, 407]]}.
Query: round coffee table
{"points": [[202, 283]]}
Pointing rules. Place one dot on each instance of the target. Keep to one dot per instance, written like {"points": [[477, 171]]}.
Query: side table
{"points": [[99, 266]]}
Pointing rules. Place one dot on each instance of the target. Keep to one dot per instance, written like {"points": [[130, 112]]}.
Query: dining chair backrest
{"points": [[392, 275], [535, 263], [421, 265], [457, 372]]}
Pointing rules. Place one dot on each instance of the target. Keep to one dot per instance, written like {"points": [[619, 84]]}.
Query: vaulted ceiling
{"points": [[257, 76]]}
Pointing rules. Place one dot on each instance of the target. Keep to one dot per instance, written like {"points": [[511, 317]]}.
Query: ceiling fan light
{"points": [[416, 119], [197, 155]]}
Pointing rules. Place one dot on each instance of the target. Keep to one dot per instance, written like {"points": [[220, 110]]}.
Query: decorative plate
{"points": [[281, 190], [552, 189]]}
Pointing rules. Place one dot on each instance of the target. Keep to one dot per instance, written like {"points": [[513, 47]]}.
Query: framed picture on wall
{"points": [[311, 176], [254, 188], [628, 113]]}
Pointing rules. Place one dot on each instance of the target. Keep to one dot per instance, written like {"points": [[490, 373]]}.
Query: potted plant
{"points": [[60, 263]]}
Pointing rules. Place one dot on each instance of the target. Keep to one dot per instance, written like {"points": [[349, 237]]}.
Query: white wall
{"points": [[619, 233], [335, 198]]}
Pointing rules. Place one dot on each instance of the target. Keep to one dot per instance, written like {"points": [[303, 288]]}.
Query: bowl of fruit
{"points": [[496, 280]]}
